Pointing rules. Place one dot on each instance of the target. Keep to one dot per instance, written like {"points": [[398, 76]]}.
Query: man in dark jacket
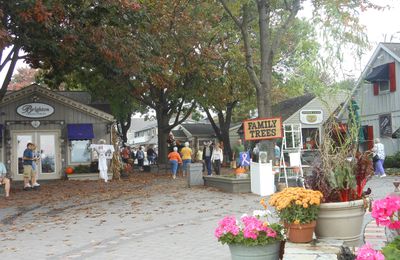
{"points": [[207, 152]]}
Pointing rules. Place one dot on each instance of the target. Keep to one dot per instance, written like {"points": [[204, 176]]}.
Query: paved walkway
{"points": [[169, 221]]}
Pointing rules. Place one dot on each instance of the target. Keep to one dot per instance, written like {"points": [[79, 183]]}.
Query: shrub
{"points": [[392, 161]]}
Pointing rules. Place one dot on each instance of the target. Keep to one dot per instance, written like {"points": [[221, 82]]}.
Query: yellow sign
{"points": [[262, 128]]}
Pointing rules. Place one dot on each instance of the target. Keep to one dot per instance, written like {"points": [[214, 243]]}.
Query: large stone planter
{"points": [[86, 176], [228, 184], [267, 252], [341, 221]]}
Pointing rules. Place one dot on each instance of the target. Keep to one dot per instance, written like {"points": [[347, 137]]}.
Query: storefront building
{"points": [[61, 124]]}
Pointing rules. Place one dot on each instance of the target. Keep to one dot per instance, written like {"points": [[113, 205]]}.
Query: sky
{"points": [[380, 26]]}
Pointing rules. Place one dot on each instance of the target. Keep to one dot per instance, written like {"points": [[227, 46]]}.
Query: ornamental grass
{"points": [[296, 205]]}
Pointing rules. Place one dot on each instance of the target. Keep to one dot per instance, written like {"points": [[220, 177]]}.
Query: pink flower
{"points": [[384, 211], [227, 225], [366, 252], [271, 232]]}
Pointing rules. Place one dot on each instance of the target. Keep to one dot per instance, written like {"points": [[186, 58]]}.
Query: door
{"points": [[47, 149]]}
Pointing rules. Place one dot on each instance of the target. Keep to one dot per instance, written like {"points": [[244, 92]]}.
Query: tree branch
{"points": [[235, 20], [183, 118], [10, 71], [294, 9], [217, 130]]}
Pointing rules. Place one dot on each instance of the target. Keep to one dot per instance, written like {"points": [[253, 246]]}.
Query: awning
{"points": [[80, 131], [379, 73]]}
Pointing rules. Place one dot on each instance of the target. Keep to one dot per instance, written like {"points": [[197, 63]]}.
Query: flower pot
{"points": [[301, 233], [341, 221], [266, 252]]}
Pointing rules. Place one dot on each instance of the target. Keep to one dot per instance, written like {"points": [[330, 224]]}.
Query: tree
{"points": [[338, 20], [25, 76], [156, 53]]}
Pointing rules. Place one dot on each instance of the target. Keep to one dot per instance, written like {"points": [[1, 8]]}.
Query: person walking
{"points": [[151, 155], [379, 157], [237, 149], [29, 172], [4, 179], [35, 166], [186, 153], [207, 152], [140, 158], [174, 159], [217, 158]]}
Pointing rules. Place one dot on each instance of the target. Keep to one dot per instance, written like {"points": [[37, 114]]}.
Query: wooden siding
{"points": [[327, 104], [371, 106], [63, 112]]}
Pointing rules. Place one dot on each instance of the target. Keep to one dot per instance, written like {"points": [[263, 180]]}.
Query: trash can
{"points": [[195, 174]]}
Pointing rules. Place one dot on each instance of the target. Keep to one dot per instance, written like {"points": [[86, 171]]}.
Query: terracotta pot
{"points": [[301, 233]]}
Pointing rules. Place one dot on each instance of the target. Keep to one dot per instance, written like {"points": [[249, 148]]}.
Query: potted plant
{"points": [[251, 238], [341, 172], [298, 209]]}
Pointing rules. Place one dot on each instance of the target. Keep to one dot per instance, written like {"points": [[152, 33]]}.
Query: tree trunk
{"points": [[124, 128], [163, 132], [227, 144]]}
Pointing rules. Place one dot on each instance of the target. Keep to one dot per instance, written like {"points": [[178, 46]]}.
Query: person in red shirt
{"points": [[175, 159]]}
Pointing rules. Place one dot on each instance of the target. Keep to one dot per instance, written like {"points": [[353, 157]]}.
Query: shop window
{"points": [[383, 86], [310, 138], [80, 152]]}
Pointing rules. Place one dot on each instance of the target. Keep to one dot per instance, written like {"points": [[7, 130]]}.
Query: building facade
{"points": [[62, 127], [378, 98]]}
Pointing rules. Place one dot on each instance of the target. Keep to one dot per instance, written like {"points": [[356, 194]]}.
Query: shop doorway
{"points": [[47, 148]]}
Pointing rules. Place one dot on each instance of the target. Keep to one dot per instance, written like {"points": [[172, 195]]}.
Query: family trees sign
{"points": [[262, 128]]}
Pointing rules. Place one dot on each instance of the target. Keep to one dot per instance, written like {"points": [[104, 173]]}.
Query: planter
{"points": [[228, 184], [341, 221], [267, 252], [301, 233], [86, 176]]}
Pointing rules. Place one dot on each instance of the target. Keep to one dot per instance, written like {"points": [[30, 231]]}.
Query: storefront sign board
{"points": [[35, 110], [262, 128]]}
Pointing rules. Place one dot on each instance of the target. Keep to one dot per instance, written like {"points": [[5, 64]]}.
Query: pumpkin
{"points": [[240, 170], [69, 170]]}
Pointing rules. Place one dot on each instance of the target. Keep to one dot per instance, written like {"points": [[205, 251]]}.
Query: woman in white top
{"points": [[379, 157], [217, 158]]}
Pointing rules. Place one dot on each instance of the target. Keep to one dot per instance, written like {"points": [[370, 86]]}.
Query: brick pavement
{"points": [[169, 223]]}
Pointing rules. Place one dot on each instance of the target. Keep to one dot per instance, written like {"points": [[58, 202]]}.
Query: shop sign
{"points": [[262, 128], [311, 117], [385, 125], [35, 110]]}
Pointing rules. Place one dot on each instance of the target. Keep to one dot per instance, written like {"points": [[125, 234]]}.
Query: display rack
{"points": [[292, 144]]}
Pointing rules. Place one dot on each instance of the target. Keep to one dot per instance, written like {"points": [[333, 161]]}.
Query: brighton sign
{"points": [[262, 128], [35, 110]]}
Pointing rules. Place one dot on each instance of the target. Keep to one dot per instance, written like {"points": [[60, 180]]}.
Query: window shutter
{"points": [[392, 76], [370, 137], [376, 89]]}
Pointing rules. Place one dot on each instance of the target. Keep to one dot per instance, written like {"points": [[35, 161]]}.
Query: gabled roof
{"points": [[290, 106], [53, 95], [147, 125], [179, 133], [286, 108], [393, 49], [199, 129]]}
